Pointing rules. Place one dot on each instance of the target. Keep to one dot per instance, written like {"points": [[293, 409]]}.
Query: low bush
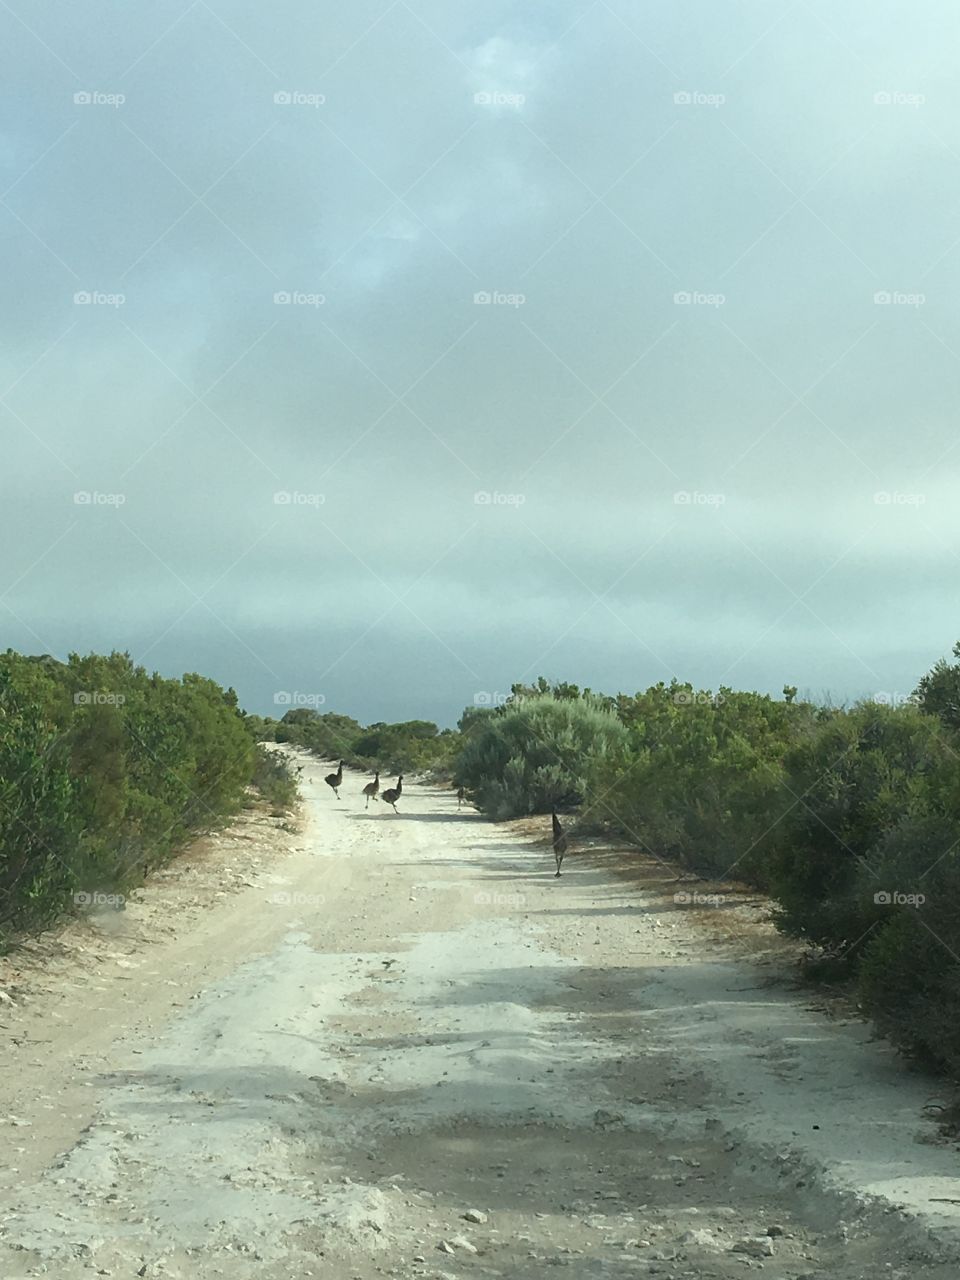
{"points": [[274, 779]]}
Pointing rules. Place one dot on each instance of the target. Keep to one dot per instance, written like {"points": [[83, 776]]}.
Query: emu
{"points": [[559, 841], [392, 794], [372, 789]]}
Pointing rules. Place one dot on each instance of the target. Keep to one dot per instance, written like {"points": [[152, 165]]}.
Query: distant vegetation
{"points": [[105, 770], [414, 746], [848, 817]]}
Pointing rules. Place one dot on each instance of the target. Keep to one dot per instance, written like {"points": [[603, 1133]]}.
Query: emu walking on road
{"points": [[392, 794], [461, 796], [559, 841], [333, 780], [372, 789]]}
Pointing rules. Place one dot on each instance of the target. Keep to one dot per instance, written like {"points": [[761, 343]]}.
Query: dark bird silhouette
{"points": [[461, 795], [559, 841], [371, 790], [334, 779], [392, 794]]}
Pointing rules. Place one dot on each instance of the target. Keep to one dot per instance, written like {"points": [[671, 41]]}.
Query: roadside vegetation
{"points": [[848, 817], [273, 779], [105, 771]]}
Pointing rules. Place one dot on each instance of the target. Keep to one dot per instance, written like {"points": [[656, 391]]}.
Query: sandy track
{"points": [[310, 1054]]}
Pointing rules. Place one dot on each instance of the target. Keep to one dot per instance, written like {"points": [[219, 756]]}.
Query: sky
{"points": [[377, 356]]}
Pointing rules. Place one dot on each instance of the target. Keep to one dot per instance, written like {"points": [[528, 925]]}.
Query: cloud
{"points": [[380, 213]]}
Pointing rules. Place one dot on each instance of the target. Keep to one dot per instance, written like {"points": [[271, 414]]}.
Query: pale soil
{"points": [[228, 1078]]}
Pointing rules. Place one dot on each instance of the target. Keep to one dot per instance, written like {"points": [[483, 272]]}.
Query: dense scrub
{"points": [[702, 777], [864, 773], [849, 818], [104, 771]]}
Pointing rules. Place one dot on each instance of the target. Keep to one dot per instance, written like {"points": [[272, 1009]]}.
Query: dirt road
{"points": [[397, 1045]]}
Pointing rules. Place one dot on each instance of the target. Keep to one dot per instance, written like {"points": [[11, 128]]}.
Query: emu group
{"points": [[372, 792]]}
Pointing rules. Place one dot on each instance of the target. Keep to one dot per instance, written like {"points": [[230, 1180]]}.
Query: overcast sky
{"points": [[711, 401]]}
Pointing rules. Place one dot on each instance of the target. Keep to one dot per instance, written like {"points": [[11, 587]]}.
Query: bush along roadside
{"points": [[105, 771], [274, 780]]}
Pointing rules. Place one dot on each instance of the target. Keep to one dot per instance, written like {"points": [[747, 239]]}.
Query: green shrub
{"points": [[909, 974], [701, 775], [850, 784], [273, 779], [938, 692], [104, 771], [39, 828], [537, 752]]}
